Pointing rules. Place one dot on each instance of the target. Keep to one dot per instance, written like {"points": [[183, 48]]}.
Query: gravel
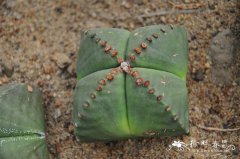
{"points": [[33, 32]]}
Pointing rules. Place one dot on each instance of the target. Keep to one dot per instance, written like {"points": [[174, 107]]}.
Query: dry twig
{"points": [[187, 6], [178, 9], [167, 12], [217, 129]]}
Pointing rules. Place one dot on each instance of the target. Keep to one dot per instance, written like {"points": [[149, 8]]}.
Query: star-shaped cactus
{"points": [[131, 84], [21, 123]]}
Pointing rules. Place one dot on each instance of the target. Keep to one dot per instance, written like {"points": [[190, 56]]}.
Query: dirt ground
{"points": [[40, 40]]}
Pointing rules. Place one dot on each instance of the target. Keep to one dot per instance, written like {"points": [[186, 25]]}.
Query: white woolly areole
{"points": [[125, 66]]}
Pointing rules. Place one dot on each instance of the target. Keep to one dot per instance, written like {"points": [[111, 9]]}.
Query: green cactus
{"points": [[131, 85], [21, 123]]}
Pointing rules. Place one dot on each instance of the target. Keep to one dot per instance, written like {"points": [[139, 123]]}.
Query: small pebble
{"points": [[198, 75], [57, 113], [61, 60], [29, 88]]}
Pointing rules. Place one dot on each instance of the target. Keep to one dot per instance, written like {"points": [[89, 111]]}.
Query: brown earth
{"points": [[40, 40]]}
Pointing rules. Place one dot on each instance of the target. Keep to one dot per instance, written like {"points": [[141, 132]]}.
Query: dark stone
{"points": [[213, 111], [67, 124], [58, 10], [236, 151], [225, 126], [211, 6], [6, 67], [198, 75]]}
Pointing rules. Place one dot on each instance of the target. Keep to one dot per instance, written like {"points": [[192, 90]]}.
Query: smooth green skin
{"points": [[92, 58], [168, 53], [139, 110], [146, 113], [23, 147], [105, 118], [21, 123]]}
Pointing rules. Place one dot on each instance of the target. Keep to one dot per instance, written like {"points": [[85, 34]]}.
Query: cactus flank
{"points": [[21, 123], [167, 50], [101, 49], [131, 85]]}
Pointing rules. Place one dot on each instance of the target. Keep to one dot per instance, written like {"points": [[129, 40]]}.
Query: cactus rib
{"points": [[21, 123]]}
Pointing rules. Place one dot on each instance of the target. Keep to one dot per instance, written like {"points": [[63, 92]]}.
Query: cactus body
{"points": [[21, 123], [140, 92]]}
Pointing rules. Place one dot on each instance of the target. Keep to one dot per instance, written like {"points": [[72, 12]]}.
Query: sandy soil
{"points": [[40, 40]]}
